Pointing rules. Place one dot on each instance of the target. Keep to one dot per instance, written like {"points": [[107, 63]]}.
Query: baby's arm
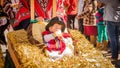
{"points": [[48, 37]]}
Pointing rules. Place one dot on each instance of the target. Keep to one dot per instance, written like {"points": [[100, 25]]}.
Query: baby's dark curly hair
{"points": [[55, 20]]}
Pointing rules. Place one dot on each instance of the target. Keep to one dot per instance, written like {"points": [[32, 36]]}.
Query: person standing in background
{"points": [[112, 25], [101, 26], [90, 28], [71, 11], [79, 22], [3, 25], [8, 9], [22, 18], [60, 11], [43, 8]]}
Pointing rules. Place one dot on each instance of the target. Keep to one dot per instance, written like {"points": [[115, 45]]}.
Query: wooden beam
{"points": [[1, 2], [32, 9], [54, 8], [13, 56]]}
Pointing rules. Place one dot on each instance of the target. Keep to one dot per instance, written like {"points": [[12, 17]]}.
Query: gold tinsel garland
{"points": [[19, 36], [86, 49], [87, 56]]}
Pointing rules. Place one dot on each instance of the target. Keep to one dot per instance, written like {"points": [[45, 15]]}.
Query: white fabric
{"points": [[15, 2], [65, 31], [69, 43], [80, 6], [58, 32], [55, 56], [48, 37], [76, 24]]}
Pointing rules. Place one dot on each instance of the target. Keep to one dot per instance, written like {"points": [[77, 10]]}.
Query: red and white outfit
{"points": [[71, 12], [52, 48]]}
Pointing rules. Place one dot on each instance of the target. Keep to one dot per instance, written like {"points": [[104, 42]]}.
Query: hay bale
{"points": [[19, 36]]}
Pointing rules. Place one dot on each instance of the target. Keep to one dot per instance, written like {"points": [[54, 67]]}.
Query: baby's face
{"points": [[55, 27]]}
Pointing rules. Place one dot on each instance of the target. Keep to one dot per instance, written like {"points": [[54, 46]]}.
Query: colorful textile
{"points": [[8, 9], [90, 30], [102, 31], [99, 17], [22, 14], [60, 11], [43, 8], [89, 18], [25, 3]]}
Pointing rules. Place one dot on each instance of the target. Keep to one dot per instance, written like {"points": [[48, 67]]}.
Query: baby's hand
{"points": [[58, 32], [60, 37]]}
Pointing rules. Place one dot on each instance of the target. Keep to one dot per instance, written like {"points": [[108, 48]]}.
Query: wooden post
{"points": [[1, 2], [32, 9], [54, 8], [12, 54]]}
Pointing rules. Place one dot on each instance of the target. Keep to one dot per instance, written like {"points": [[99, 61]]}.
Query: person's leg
{"points": [[81, 27], [93, 39], [73, 20], [105, 38], [100, 36], [113, 37], [100, 33], [69, 21]]}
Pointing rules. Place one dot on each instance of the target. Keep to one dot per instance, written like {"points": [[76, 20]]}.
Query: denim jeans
{"points": [[112, 28]]}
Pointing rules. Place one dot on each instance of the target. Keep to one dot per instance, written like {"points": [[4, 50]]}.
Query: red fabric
{"points": [[90, 30], [72, 6], [61, 11], [21, 15], [25, 3], [44, 8], [52, 44], [66, 35]]}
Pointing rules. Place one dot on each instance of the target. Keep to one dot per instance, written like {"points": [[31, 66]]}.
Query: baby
{"points": [[55, 39]]}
